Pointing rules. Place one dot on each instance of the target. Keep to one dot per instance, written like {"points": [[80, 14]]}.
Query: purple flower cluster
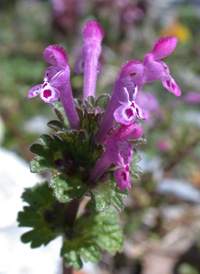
{"points": [[118, 125]]}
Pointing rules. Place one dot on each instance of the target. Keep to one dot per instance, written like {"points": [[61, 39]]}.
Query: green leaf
{"points": [[99, 230], [41, 200], [48, 153], [136, 157], [55, 125], [67, 189], [102, 101], [60, 112], [90, 122], [107, 193], [90, 101], [141, 141], [72, 258], [90, 253], [40, 164]]}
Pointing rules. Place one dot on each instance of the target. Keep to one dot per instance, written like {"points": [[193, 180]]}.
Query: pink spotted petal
{"points": [[164, 47], [92, 31], [170, 84], [122, 178], [79, 66], [55, 55], [134, 70], [141, 113], [125, 114], [49, 94], [34, 91], [126, 151]]}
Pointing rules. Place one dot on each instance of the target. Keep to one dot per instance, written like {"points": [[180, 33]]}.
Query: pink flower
{"points": [[57, 83], [88, 63], [192, 97], [163, 146], [119, 152], [155, 69], [122, 107]]}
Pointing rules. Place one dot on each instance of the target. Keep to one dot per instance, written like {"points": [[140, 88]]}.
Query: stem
{"points": [[67, 270], [71, 213]]}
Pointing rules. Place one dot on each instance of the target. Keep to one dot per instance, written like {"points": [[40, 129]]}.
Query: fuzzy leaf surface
{"points": [[103, 233], [107, 193], [66, 189]]}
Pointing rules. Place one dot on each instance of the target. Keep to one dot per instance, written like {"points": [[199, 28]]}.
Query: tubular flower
{"points": [[119, 152], [57, 83], [111, 143], [122, 107], [88, 63]]}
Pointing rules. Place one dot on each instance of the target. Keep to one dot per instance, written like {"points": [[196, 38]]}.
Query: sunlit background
{"points": [[162, 216]]}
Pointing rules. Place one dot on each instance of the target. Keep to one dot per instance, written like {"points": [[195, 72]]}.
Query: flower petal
{"points": [[134, 70], [112, 152], [55, 55], [34, 91], [126, 151], [164, 47], [122, 178], [61, 79], [125, 114], [141, 113], [50, 72], [170, 84], [79, 65], [133, 131], [49, 94], [153, 70], [93, 31]]}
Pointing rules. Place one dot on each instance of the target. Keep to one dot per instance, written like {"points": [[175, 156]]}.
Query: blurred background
{"points": [[162, 216]]}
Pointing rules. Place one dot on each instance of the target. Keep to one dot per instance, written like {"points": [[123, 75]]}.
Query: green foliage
{"points": [[135, 170], [107, 193], [91, 232], [103, 232], [67, 189], [41, 202]]}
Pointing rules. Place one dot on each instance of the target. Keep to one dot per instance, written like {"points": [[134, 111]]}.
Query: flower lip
{"points": [[133, 72], [93, 31], [55, 55], [164, 47]]}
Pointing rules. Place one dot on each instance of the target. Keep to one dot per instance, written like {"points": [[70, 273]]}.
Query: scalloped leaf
{"points": [[104, 232], [90, 122], [55, 125], [107, 193], [66, 189], [60, 113], [140, 141], [40, 199], [102, 101]]}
